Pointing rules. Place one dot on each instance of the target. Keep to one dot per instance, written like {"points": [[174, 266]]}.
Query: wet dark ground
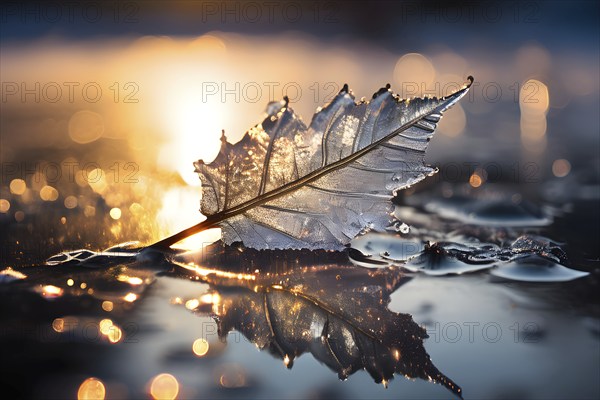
{"points": [[476, 297]]}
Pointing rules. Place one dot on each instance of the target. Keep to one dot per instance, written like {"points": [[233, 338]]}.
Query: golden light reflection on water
{"points": [[132, 280], [164, 387], [91, 389], [51, 291]]}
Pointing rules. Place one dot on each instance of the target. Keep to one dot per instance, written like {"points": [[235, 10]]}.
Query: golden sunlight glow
{"points": [[194, 125], [164, 387], [200, 347], [91, 389], [180, 209], [95, 178], [86, 126]]}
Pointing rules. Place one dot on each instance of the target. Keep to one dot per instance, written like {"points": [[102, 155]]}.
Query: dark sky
{"points": [[397, 25]]}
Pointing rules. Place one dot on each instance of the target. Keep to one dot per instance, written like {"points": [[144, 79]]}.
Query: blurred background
{"points": [[106, 105]]}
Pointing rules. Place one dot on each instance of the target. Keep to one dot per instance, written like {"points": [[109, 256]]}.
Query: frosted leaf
{"points": [[286, 185]]}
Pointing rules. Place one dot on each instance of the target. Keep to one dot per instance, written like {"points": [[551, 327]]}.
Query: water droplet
{"points": [[534, 268], [386, 247]]}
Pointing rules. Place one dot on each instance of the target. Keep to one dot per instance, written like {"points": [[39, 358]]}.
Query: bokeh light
{"points": [[115, 213], [561, 168], [91, 389], [70, 202], [107, 306], [164, 387], [200, 347], [130, 297], [4, 205], [18, 186], [85, 127], [48, 193], [414, 75], [534, 101]]}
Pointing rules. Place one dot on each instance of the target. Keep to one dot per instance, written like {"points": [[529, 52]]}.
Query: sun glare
{"points": [[180, 210], [194, 125]]}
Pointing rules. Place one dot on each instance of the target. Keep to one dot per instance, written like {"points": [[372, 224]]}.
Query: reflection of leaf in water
{"points": [[339, 314], [336, 312], [288, 186]]}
